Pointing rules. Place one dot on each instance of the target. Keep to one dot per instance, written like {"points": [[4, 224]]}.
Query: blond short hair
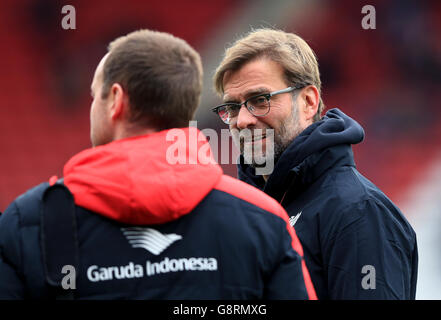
{"points": [[289, 50]]}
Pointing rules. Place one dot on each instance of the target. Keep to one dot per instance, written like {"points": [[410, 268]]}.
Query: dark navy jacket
{"points": [[357, 243], [151, 229]]}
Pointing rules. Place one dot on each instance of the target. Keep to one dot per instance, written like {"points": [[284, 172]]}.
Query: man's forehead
{"points": [[247, 93], [253, 75], [244, 74]]}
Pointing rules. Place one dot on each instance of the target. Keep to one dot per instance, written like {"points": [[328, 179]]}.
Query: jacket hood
{"points": [[319, 147], [148, 179]]}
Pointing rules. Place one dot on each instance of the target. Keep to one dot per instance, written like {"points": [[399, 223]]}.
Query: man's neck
{"points": [[129, 131]]}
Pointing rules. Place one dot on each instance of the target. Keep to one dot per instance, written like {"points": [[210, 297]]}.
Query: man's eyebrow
{"points": [[247, 94], [255, 92], [227, 99]]}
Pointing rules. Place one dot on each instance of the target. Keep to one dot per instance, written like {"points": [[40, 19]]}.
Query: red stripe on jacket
{"points": [[258, 198]]}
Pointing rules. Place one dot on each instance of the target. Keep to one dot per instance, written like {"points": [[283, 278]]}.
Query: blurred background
{"points": [[388, 79]]}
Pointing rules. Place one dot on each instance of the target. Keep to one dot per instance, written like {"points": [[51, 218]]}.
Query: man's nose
{"points": [[245, 119]]}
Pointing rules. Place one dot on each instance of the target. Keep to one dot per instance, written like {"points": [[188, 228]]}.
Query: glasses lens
{"points": [[223, 114], [228, 112], [258, 106]]}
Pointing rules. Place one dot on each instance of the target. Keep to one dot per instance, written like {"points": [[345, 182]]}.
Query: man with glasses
{"points": [[357, 243]]}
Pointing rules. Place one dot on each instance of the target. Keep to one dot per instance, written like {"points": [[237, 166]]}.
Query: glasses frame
{"points": [[245, 103]]}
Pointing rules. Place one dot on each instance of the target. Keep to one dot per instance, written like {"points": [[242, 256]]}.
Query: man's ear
{"points": [[310, 99], [118, 101]]}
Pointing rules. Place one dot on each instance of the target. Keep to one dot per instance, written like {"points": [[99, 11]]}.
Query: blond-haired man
{"points": [[357, 243]]}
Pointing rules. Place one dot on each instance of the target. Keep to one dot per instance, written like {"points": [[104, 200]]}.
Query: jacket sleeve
{"points": [[371, 255], [290, 278], [11, 282]]}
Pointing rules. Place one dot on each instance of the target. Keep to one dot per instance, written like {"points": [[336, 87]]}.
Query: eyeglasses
{"points": [[258, 106]]}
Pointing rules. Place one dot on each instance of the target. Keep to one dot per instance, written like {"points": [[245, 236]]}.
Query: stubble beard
{"points": [[277, 141]]}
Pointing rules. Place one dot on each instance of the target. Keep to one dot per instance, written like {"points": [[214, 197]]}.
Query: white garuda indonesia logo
{"points": [[149, 239]]}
